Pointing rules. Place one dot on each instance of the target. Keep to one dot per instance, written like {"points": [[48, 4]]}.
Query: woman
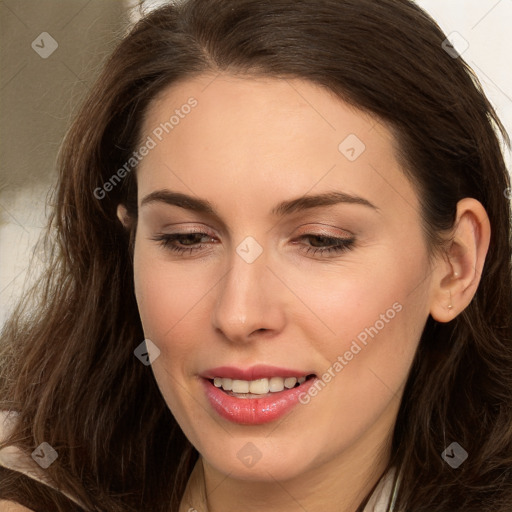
{"points": [[281, 275]]}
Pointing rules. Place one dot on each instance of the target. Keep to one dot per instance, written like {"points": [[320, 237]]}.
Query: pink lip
{"points": [[259, 371], [254, 411]]}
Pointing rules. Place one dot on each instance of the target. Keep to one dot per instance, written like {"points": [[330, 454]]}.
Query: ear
{"points": [[122, 215], [456, 278]]}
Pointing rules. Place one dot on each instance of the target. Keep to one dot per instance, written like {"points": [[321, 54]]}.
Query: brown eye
{"points": [[186, 241]]}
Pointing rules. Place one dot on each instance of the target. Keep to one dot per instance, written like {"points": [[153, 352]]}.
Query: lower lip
{"points": [[254, 411]]}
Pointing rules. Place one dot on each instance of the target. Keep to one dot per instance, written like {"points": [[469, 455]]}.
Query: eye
{"points": [[191, 242], [188, 241], [327, 245]]}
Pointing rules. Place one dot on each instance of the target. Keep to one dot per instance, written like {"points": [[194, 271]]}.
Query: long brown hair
{"points": [[67, 357]]}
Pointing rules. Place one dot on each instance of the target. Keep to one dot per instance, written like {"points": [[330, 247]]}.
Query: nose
{"points": [[249, 302]]}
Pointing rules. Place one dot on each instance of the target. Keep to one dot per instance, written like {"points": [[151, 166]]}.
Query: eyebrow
{"points": [[282, 209]]}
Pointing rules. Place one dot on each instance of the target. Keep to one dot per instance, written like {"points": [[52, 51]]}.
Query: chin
{"points": [[258, 459]]}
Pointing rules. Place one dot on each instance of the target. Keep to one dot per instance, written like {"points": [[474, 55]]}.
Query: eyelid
{"points": [[186, 231], [308, 229]]}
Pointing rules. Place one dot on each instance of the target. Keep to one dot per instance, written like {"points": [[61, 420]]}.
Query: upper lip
{"points": [[256, 372]]}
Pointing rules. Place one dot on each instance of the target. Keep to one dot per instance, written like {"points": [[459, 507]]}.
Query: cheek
{"points": [[169, 300], [153, 294], [354, 300], [377, 317], [373, 317], [167, 294]]}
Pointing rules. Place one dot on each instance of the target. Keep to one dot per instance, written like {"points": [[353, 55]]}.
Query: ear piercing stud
{"points": [[450, 306]]}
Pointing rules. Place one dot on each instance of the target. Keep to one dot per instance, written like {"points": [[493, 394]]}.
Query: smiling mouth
{"points": [[259, 388]]}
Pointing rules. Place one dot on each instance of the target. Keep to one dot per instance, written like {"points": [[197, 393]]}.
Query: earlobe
{"points": [[122, 215], [457, 277]]}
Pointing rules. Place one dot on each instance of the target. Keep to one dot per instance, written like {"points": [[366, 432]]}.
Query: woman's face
{"points": [[252, 298]]}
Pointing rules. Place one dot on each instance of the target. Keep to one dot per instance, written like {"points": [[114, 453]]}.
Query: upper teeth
{"points": [[257, 387]]}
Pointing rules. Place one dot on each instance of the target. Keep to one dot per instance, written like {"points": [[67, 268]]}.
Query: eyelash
{"points": [[338, 246]]}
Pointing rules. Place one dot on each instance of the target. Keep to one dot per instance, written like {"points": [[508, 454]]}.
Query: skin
{"points": [[249, 144]]}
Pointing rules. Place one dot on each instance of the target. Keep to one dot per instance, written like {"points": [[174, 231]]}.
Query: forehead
{"points": [[267, 136], [258, 106]]}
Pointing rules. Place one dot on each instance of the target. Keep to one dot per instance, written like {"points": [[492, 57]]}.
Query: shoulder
{"points": [[28, 474], [11, 506]]}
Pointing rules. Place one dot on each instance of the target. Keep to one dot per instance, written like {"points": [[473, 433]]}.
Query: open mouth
{"points": [[259, 388], [257, 401]]}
